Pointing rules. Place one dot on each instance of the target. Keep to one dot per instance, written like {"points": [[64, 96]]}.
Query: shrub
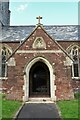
{"points": [[2, 96], [77, 95]]}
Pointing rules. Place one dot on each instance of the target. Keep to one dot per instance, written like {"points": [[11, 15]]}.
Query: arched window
{"points": [[75, 53], [5, 53]]}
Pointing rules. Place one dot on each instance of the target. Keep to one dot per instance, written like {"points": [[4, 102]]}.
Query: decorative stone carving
{"points": [[11, 62], [68, 62], [39, 43]]}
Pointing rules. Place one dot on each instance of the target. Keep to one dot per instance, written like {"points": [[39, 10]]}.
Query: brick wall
{"points": [[14, 83]]}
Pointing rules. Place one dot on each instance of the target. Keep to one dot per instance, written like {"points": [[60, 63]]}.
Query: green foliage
{"points": [[77, 95], [69, 109], [2, 96]]}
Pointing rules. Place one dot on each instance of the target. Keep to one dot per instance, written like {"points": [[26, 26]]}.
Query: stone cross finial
{"points": [[39, 18]]}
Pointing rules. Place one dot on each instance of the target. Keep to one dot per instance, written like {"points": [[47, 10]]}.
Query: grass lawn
{"points": [[9, 108], [69, 109]]}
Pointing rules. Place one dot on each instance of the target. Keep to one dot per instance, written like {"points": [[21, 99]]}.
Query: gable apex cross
{"points": [[39, 18]]}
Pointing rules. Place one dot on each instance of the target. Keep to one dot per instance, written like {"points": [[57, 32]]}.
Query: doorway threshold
{"points": [[40, 100]]}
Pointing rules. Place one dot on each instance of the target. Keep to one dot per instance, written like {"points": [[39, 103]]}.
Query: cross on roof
{"points": [[39, 18]]}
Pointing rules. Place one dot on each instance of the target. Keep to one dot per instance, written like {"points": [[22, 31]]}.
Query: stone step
{"points": [[40, 100]]}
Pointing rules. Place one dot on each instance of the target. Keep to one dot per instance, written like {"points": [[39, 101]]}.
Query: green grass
{"points": [[9, 108], [0, 109], [69, 109]]}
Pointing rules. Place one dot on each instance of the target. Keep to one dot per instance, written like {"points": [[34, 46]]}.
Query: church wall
{"points": [[50, 44], [15, 81], [14, 84], [65, 44]]}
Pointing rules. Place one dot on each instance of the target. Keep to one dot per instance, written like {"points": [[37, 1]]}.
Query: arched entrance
{"points": [[39, 80], [48, 68]]}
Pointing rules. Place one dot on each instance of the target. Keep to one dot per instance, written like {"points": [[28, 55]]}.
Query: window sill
{"points": [[76, 78], [3, 78]]}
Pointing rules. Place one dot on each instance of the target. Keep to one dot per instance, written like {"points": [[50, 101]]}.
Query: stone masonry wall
{"points": [[14, 83], [65, 44], [4, 13]]}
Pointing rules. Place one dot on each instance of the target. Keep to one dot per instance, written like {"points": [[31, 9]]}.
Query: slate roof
{"points": [[59, 33]]}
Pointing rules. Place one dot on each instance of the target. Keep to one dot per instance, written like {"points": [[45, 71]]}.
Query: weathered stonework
{"points": [[4, 13], [17, 84], [39, 43], [68, 62], [11, 62]]}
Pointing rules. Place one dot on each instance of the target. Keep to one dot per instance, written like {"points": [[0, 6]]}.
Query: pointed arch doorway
{"points": [[39, 80], [30, 73]]}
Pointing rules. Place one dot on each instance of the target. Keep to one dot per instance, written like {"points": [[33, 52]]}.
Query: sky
{"points": [[52, 13]]}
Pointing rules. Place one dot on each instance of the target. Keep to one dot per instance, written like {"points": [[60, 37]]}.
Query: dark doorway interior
{"points": [[39, 82]]}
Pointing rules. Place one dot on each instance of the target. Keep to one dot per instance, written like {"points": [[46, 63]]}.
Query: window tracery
{"points": [[5, 53], [75, 54], [39, 43]]}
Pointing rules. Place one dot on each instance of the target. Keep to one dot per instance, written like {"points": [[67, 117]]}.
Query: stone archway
{"points": [[27, 78]]}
